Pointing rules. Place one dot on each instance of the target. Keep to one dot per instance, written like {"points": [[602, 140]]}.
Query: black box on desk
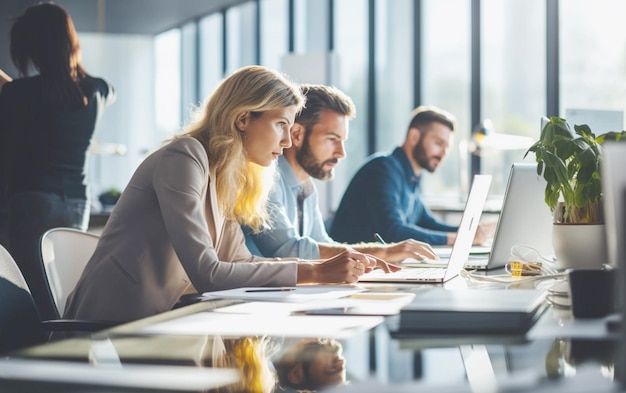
{"points": [[492, 311]]}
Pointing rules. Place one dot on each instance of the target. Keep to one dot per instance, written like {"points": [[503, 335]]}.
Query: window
{"points": [[167, 53], [352, 48], [513, 85], [445, 83], [241, 36], [189, 86], [593, 55], [394, 72], [211, 50], [274, 33]]}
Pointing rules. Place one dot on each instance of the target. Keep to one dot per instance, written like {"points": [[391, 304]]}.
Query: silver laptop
{"points": [[613, 188], [460, 250], [525, 219]]}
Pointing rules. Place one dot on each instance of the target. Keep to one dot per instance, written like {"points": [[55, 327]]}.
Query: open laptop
{"points": [[460, 250], [525, 219]]}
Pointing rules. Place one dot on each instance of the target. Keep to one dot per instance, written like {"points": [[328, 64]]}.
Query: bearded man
{"points": [[297, 225], [384, 196]]}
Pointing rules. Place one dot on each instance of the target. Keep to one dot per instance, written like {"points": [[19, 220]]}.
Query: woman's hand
{"points": [[345, 267]]}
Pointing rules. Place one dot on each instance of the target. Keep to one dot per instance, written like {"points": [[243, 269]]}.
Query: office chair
{"points": [[20, 324], [64, 253]]}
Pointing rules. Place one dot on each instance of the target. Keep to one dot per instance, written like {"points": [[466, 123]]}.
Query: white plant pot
{"points": [[580, 246]]}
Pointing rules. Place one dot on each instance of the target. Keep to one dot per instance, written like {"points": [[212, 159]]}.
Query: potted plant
{"points": [[110, 197], [570, 164]]}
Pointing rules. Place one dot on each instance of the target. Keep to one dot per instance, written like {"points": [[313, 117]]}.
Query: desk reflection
{"points": [[377, 358], [311, 364]]}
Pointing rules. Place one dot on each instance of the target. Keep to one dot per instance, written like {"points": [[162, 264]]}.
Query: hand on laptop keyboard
{"points": [[412, 262]]}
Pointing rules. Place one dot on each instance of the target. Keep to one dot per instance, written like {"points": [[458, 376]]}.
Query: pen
{"points": [[271, 290], [379, 238]]}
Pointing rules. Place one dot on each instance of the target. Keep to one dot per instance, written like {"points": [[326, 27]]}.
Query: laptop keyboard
{"points": [[421, 273], [410, 274]]}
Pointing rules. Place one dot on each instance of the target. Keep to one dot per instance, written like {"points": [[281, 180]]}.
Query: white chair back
{"points": [[10, 271], [65, 252]]}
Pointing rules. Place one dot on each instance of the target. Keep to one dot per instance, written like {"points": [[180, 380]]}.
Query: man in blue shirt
{"points": [[384, 196], [297, 226]]}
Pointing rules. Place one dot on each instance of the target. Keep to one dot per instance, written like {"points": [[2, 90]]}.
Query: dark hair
{"points": [[44, 37], [319, 98], [423, 116]]}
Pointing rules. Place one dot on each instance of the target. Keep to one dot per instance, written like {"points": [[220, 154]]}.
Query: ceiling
{"points": [[123, 16]]}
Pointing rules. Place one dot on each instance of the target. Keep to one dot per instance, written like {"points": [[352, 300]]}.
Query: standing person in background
{"points": [[4, 214], [177, 227], [46, 124], [297, 226], [385, 197]]}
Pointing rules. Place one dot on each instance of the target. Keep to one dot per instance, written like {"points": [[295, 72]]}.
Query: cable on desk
{"points": [[525, 264], [508, 279]]}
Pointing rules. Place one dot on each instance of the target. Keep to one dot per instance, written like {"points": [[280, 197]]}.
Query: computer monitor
{"points": [[600, 121]]}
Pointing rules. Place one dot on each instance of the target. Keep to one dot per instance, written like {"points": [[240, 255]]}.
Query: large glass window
{"points": [[241, 36], [351, 45], [167, 70], [513, 86], [394, 71], [211, 51], [445, 83], [593, 55], [189, 84], [592, 74], [274, 33]]}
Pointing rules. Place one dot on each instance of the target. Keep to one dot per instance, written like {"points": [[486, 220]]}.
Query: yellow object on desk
{"points": [[519, 269]]}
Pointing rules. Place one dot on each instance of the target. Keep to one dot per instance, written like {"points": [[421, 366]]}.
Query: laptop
{"points": [[613, 187], [460, 250], [525, 219]]}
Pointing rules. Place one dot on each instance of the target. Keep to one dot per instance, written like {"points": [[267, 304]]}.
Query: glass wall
{"points": [[395, 72], [513, 78], [351, 47], [274, 32], [445, 61], [241, 41], [593, 55], [211, 53], [513, 81], [189, 68], [167, 66]]}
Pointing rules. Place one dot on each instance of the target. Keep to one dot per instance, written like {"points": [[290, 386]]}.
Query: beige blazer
{"points": [[165, 234]]}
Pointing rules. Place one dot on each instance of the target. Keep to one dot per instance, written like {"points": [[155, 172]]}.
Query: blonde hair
{"points": [[242, 186], [249, 355]]}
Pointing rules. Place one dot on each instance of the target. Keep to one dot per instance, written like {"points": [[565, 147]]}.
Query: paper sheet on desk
{"points": [[303, 293], [211, 323], [365, 303]]}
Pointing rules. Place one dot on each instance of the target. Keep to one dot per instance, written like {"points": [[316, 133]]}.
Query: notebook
{"points": [[460, 250], [493, 311], [525, 219]]}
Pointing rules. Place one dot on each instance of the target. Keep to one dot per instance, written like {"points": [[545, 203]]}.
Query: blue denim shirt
{"points": [[384, 197], [282, 239]]}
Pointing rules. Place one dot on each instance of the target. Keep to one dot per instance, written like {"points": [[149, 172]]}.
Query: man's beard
{"points": [[421, 157], [311, 165]]}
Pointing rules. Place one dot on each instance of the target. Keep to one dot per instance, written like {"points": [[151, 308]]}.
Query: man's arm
{"points": [[389, 202], [281, 239]]}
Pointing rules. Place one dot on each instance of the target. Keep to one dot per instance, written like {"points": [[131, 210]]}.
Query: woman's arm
{"points": [[4, 78]]}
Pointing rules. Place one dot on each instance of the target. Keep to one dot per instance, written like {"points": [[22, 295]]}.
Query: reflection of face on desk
{"points": [[312, 364]]}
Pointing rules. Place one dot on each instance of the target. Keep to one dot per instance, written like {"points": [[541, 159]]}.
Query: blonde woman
{"points": [[176, 226]]}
